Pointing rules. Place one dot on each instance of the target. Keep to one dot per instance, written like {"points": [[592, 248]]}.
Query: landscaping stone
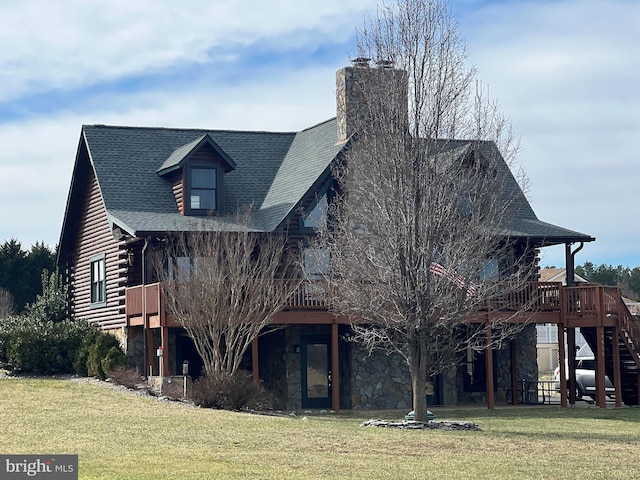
{"points": [[430, 425]]}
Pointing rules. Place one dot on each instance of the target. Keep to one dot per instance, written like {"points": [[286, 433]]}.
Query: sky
{"points": [[566, 72]]}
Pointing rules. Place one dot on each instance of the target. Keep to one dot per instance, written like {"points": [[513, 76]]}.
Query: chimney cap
{"points": [[361, 62], [385, 63]]}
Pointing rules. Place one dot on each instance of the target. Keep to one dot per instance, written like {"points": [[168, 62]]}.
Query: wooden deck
{"points": [[613, 333]]}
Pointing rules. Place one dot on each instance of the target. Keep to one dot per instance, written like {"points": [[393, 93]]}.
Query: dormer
{"points": [[196, 171]]}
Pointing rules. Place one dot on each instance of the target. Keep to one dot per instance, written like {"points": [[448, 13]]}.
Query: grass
{"points": [[122, 436]]}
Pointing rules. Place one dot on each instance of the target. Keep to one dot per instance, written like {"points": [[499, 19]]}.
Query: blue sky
{"points": [[565, 71]]}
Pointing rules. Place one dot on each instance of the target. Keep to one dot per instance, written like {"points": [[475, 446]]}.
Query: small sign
{"points": [[50, 467]]}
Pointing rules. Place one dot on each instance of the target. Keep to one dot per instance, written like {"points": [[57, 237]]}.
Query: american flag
{"points": [[459, 280]]}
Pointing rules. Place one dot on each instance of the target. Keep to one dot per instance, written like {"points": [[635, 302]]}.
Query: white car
{"points": [[585, 378]]}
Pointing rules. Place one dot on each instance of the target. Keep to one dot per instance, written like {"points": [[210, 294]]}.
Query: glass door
{"points": [[315, 363]]}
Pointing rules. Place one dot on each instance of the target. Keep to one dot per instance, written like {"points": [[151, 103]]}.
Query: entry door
{"points": [[315, 363]]}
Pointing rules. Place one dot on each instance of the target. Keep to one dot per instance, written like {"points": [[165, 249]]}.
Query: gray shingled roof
{"points": [[183, 152], [273, 171], [523, 223]]}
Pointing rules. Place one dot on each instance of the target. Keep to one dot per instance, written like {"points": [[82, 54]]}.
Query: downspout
{"points": [[570, 258], [144, 306]]}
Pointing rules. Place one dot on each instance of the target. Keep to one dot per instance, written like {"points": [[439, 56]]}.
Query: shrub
{"points": [[127, 377], [231, 392], [114, 358], [104, 354], [30, 345], [82, 355]]}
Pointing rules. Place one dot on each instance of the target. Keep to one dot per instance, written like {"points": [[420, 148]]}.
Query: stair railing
{"points": [[630, 328]]}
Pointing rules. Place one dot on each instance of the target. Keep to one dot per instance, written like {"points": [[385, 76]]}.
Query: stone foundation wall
{"points": [[379, 381], [293, 369], [134, 346]]}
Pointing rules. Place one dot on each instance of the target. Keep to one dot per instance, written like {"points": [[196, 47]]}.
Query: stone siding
{"points": [[379, 381]]}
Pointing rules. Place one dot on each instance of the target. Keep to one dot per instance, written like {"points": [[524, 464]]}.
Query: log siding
{"points": [[94, 237]]}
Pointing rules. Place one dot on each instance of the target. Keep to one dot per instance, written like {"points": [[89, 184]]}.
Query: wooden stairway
{"points": [[628, 340]]}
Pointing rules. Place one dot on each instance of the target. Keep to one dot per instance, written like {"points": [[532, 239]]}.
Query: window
{"points": [[179, 268], [203, 193], [317, 218], [98, 283], [185, 268], [316, 263], [490, 270]]}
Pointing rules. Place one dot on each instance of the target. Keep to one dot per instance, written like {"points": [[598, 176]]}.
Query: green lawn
{"points": [[122, 436]]}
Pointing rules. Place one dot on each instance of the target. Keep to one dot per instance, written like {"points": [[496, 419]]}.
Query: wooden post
{"points": [[335, 368], [255, 365], [617, 377], [164, 360], [571, 361], [562, 365], [150, 351], [601, 398], [489, 368]]}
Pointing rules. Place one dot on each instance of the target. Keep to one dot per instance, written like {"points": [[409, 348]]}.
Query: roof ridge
{"points": [[318, 124], [194, 130]]}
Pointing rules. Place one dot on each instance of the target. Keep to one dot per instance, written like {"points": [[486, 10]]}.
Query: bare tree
{"points": [[7, 307], [421, 224], [224, 287]]}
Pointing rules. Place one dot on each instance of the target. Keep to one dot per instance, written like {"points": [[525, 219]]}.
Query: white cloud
{"points": [[68, 43], [565, 71]]}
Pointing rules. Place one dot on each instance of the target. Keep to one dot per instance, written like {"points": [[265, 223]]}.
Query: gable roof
{"points": [[273, 172], [523, 223], [558, 275], [182, 154]]}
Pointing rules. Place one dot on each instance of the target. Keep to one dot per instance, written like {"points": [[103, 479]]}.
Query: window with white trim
{"points": [[98, 280]]}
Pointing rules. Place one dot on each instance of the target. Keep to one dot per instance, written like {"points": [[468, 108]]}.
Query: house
{"points": [[131, 186]]}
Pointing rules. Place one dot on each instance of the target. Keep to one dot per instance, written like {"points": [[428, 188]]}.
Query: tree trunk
{"points": [[419, 363]]}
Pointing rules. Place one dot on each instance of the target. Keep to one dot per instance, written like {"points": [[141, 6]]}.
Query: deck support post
{"points": [[164, 359], [563, 366], [617, 377], [489, 369], [150, 351], [601, 398], [571, 361]]}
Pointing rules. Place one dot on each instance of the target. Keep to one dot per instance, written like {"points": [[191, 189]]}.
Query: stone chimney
{"points": [[361, 81]]}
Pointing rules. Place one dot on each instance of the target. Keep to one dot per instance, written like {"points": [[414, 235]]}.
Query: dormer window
{"points": [[196, 171], [203, 194]]}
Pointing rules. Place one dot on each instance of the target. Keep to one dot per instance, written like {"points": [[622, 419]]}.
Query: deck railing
{"points": [[588, 301], [314, 295]]}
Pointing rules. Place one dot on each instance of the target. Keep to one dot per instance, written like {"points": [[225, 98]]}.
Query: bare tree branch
{"points": [[419, 237], [224, 288]]}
